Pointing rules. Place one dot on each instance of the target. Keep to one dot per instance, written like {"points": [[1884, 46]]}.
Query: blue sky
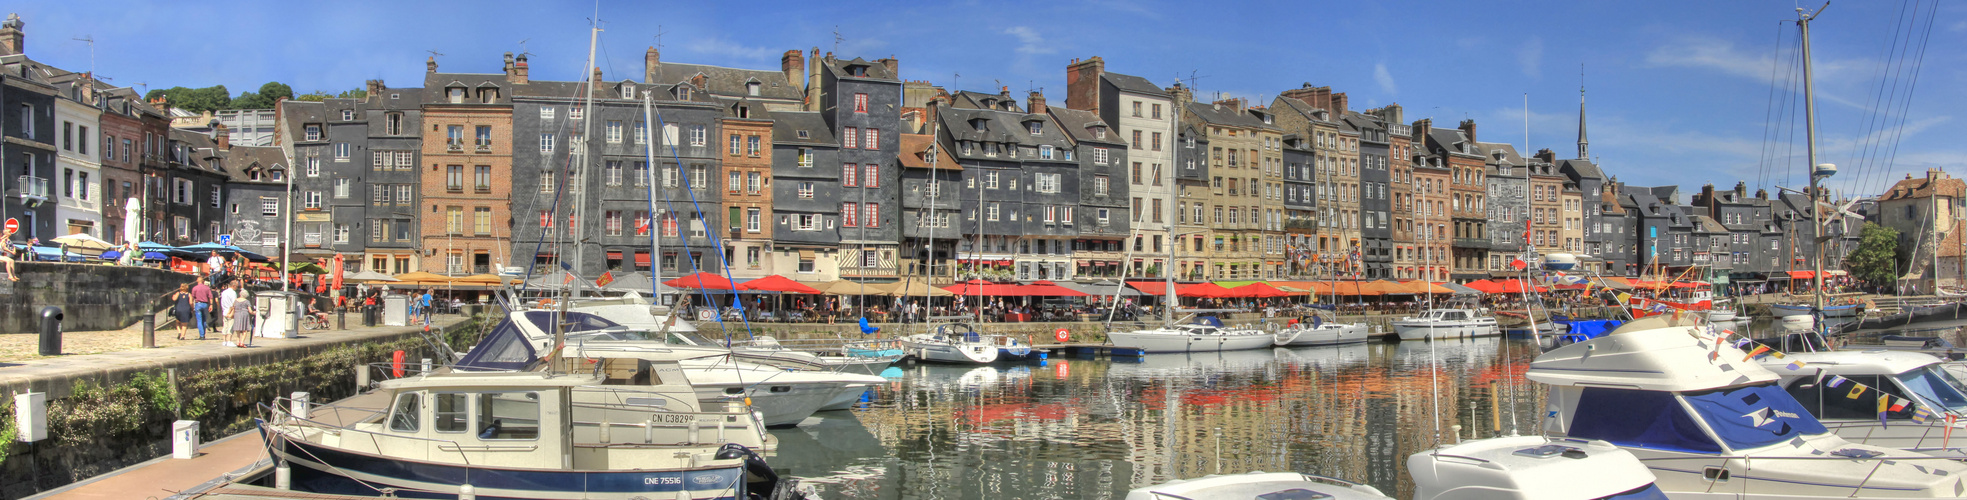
{"points": [[1679, 92]]}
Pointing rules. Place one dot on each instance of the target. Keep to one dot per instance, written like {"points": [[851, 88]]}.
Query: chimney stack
{"points": [[794, 65], [1082, 84], [1741, 189], [373, 90], [813, 75], [508, 65], [223, 136], [1468, 128], [594, 82], [1339, 105], [519, 70], [1548, 156], [893, 65], [430, 66], [1182, 96], [12, 40], [651, 66], [1035, 103]]}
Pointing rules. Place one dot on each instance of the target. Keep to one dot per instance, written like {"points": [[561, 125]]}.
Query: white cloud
{"points": [[1385, 79], [1711, 53], [1029, 41], [720, 47], [1531, 57]]}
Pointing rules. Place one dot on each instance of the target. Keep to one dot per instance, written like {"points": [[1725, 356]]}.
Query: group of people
{"points": [[195, 304]]}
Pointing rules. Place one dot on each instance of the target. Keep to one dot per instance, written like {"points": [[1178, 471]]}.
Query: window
{"points": [[806, 190], [612, 222], [341, 151], [736, 182], [1103, 217], [860, 103], [991, 212], [698, 134], [1136, 143], [736, 141], [509, 416], [612, 174], [752, 144], [805, 158], [699, 178], [311, 200], [454, 178], [481, 220], [873, 139], [546, 112], [484, 136], [1100, 185], [849, 137], [407, 414], [614, 132], [405, 194], [849, 215], [873, 214], [1156, 143], [1047, 183], [482, 178], [753, 182], [751, 220], [218, 193], [849, 175], [1099, 156], [1156, 112], [269, 206], [872, 175]]}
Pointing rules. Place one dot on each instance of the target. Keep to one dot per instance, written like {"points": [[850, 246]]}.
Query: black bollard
{"points": [[341, 319], [149, 331], [51, 331]]}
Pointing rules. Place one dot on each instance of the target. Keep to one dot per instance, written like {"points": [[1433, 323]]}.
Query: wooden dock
{"points": [[217, 464]]}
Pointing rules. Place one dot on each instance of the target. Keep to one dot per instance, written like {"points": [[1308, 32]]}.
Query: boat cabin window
{"points": [[1836, 402], [1454, 315], [407, 414], [451, 412], [1935, 384], [1642, 419], [509, 415]]}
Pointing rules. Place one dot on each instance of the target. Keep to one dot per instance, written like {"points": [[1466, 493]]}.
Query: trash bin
{"points": [[51, 317]]}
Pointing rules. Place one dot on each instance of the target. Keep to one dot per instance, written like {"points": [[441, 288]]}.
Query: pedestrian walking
{"points": [[241, 314], [181, 307], [426, 301], [201, 304], [226, 298]]}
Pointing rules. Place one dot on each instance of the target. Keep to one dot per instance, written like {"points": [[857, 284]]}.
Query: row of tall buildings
{"points": [[835, 168]]}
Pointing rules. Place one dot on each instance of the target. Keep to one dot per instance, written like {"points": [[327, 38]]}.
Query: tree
{"points": [[249, 100], [275, 91], [353, 94], [199, 100], [1876, 258]]}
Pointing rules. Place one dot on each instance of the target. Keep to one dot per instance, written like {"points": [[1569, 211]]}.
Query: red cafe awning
{"points": [[642, 259], [703, 281], [776, 283], [1205, 290], [1042, 288], [1155, 288], [1802, 275]]}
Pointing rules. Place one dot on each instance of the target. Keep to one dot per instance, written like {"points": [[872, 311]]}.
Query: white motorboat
{"points": [[786, 396], [1316, 331], [1446, 324], [1258, 485], [527, 435], [1713, 425], [1804, 322], [1723, 310], [1530, 467], [634, 313], [951, 343], [1195, 337], [1898, 374]]}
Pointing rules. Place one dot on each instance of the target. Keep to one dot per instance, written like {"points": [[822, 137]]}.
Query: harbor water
{"points": [[1095, 428]]}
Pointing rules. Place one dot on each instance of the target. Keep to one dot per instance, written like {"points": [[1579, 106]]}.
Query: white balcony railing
{"points": [[33, 188]]}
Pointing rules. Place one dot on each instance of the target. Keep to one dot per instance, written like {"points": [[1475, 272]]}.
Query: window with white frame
{"points": [[614, 131], [546, 112], [311, 200], [269, 206], [699, 135], [546, 142]]}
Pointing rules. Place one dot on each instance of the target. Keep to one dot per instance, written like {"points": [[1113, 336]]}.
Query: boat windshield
{"points": [[1753, 416], [1935, 385]]}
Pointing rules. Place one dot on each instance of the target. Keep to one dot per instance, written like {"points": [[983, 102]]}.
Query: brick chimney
{"points": [[223, 136], [507, 66], [1741, 190], [793, 64], [813, 62], [594, 82], [1468, 128], [1317, 97], [430, 65], [893, 65], [1422, 128], [1547, 156], [519, 70], [1233, 103], [1035, 103], [1181, 95], [1082, 84], [373, 89], [12, 40], [651, 66]]}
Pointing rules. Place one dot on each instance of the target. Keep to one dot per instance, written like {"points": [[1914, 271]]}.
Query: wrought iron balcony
{"points": [[33, 188]]}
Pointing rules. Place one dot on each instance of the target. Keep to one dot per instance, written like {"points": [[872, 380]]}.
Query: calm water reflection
{"points": [[1089, 428]]}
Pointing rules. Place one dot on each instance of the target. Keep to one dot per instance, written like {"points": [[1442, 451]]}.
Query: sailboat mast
{"points": [[580, 160], [649, 170], [1810, 123]]}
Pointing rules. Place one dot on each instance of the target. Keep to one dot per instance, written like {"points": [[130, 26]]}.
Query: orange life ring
{"points": [[1062, 335]]}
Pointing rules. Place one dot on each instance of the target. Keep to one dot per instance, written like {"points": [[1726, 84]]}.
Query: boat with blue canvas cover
{"points": [[1712, 424]]}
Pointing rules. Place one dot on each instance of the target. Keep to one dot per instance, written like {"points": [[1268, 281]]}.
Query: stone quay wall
{"points": [[92, 296]]}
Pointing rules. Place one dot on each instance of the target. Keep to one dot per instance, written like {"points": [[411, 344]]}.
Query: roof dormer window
{"points": [[978, 124], [805, 134], [857, 70], [1037, 127], [456, 94], [628, 91], [744, 111], [1099, 132], [752, 88], [682, 93], [347, 115]]}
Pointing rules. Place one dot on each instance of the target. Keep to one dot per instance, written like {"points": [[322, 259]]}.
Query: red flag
{"points": [[1518, 264], [605, 279]]}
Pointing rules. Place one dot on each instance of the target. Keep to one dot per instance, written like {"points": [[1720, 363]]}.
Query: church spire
{"points": [[1584, 146]]}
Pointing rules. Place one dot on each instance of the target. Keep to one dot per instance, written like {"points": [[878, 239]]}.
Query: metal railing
{"points": [[33, 187]]}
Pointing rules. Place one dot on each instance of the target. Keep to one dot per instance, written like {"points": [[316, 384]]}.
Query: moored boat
{"points": [[1209, 336], [1446, 324]]}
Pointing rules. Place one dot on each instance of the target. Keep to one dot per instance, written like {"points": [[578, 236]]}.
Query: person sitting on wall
{"points": [[7, 255]]}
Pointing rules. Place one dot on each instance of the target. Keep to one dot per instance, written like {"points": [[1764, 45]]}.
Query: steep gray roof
{"points": [[1226, 116], [787, 126], [875, 70], [730, 82], [242, 158], [1135, 84], [1001, 127], [435, 85], [1584, 168], [970, 99], [1076, 124], [1490, 149], [1302, 108], [1707, 224], [1448, 137]]}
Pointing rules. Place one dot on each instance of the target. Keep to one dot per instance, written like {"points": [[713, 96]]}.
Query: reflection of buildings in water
{"points": [[1352, 412]]}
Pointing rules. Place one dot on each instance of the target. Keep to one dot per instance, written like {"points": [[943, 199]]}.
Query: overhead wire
{"points": [[1864, 147], [1905, 106]]}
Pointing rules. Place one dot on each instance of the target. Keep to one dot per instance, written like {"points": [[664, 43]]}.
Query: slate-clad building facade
{"points": [[1375, 196], [860, 101], [1107, 222], [1021, 190], [806, 175]]}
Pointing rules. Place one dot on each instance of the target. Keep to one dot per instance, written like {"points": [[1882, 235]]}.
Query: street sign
{"points": [[225, 239], [13, 225]]}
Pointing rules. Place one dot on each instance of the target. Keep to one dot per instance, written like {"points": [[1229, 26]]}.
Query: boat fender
{"points": [[396, 364]]}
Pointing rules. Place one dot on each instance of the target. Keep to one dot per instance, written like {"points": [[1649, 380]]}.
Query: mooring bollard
{"points": [[51, 331], [341, 319], [149, 331]]}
